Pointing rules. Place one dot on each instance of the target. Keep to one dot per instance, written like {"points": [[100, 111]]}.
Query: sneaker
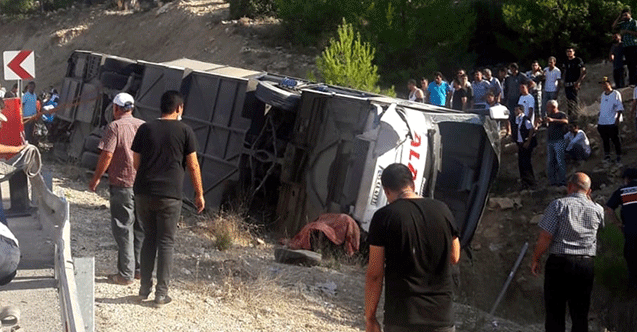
{"points": [[161, 300], [119, 280]]}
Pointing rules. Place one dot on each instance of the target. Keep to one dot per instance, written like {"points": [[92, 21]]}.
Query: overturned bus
{"points": [[297, 147]]}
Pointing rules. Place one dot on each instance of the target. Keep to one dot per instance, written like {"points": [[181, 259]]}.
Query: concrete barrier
{"points": [[53, 212]]}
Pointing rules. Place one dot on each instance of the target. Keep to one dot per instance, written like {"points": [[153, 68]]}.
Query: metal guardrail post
{"points": [[54, 211]]}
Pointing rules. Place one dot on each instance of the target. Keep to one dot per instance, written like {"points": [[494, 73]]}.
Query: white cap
{"points": [[123, 99], [2, 117]]}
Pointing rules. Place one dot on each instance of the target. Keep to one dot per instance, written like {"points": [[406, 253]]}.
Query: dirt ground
{"points": [[243, 289]]}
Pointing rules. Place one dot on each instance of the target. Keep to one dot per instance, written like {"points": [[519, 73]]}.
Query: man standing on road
{"points": [[29, 111], [536, 74], [439, 90], [511, 88], [552, 77], [163, 149], [413, 242], [480, 88], [628, 31], [555, 144], [527, 100], [415, 94], [574, 73], [569, 232], [495, 84], [117, 158], [610, 109], [616, 56], [626, 197]]}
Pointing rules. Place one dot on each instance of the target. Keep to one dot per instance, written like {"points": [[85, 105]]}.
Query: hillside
{"points": [[193, 29]]}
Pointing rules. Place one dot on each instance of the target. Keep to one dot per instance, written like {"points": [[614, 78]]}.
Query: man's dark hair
{"points": [[411, 81], [170, 100], [630, 174], [7, 279], [514, 65], [437, 73], [396, 177], [626, 10]]}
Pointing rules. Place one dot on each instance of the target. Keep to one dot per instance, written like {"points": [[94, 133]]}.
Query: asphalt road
{"points": [[33, 290]]}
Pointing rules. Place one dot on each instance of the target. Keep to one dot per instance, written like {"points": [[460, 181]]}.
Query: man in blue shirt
{"points": [[29, 110], [438, 90]]}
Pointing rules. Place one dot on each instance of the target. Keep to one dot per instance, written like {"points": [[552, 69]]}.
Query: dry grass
{"points": [[227, 228]]}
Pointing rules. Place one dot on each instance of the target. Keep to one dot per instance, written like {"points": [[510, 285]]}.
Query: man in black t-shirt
{"points": [[555, 144], [162, 149], [413, 242], [573, 75]]}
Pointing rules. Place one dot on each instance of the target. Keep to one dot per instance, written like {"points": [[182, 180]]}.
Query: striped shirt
{"points": [[118, 140], [573, 222]]}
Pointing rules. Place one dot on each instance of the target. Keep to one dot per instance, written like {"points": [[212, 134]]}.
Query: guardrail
{"points": [[53, 212]]}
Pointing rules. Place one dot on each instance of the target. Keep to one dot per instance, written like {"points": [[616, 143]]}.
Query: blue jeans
{"points": [[3, 218], [556, 162], [546, 96]]}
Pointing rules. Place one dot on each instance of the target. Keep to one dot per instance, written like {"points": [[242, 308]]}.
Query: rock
{"points": [[259, 242], [536, 219], [476, 246], [297, 257], [185, 271], [503, 203], [328, 288]]}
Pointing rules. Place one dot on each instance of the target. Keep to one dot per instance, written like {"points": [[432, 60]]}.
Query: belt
{"points": [[573, 256]]}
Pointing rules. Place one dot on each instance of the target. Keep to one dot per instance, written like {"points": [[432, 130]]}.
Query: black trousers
{"points": [[630, 254], [159, 217], [525, 165], [610, 133], [568, 279], [571, 99], [618, 77], [630, 53]]}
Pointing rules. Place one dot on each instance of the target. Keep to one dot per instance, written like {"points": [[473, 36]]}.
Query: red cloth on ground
{"points": [[338, 228]]}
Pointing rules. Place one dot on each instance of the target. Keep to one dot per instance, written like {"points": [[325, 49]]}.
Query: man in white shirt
{"points": [[578, 148], [552, 77], [610, 110], [527, 100]]}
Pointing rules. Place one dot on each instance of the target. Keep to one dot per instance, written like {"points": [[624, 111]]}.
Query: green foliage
{"points": [[348, 61], [16, 6], [308, 22], [252, 8], [549, 26], [610, 266]]}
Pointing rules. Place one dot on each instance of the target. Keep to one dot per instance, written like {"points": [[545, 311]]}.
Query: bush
{"points": [[610, 266], [308, 22], [12, 7], [348, 62], [252, 8]]}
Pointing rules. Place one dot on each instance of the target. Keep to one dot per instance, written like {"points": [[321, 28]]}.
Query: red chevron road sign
{"points": [[19, 65]]}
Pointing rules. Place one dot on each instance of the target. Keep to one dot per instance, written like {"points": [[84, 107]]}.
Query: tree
{"points": [[347, 61]]}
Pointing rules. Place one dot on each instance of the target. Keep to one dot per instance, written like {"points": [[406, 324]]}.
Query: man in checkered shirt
{"points": [[569, 233]]}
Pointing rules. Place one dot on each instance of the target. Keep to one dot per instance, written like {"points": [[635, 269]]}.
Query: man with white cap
{"points": [[117, 157]]}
